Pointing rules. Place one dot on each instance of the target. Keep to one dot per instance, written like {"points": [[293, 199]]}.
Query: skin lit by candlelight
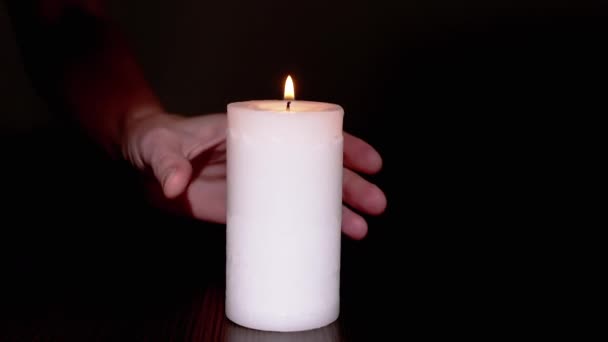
{"points": [[290, 94]]}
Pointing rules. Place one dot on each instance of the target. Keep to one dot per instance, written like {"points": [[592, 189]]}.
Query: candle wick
{"points": [[288, 105]]}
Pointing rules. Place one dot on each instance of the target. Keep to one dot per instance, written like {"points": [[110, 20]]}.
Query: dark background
{"points": [[464, 100]]}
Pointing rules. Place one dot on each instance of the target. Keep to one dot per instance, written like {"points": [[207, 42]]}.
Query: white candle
{"points": [[284, 214]]}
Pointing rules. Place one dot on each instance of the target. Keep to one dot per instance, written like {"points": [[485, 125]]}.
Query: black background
{"points": [[464, 100]]}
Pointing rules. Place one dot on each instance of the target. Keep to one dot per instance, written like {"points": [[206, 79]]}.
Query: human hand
{"points": [[187, 158]]}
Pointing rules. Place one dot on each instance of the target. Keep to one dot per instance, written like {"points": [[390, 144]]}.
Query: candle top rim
{"points": [[297, 106]]}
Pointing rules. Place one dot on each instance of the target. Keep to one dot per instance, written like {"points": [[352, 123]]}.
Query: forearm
{"points": [[106, 89], [82, 64]]}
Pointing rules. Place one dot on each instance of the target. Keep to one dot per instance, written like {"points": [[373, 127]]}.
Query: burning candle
{"points": [[284, 160]]}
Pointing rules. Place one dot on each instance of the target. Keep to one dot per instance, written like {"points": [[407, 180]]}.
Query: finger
{"points": [[360, 156], [207, 199], [362, 195], [353, 225], [208, 131], [172, 170]]}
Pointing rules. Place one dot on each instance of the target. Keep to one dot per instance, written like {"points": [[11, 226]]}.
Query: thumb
{"points": [[172, 170]]}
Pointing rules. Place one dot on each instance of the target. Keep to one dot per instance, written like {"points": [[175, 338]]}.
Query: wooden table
{"points": [[197, 317], [163, 288]]}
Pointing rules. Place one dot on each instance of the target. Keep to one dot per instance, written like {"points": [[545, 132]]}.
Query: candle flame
{"points": [[290, 93]]}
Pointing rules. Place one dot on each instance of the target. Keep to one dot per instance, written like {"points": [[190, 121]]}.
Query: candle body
{"points": [[284, 214]]}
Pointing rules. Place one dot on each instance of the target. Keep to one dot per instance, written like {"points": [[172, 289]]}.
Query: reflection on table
{"points": [[211, 324], [237, 333]]}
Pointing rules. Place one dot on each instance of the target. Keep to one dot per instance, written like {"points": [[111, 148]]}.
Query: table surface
{"points": [[202, 319], [169, 315], [147, 298]]}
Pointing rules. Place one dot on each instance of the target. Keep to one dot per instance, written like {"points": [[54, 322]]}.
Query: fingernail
{"points": [[375, 160], [377, 201], [168, 175]]}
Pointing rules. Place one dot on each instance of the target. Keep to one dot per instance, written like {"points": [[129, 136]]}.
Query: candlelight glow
{"points": [[290, 93]]}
